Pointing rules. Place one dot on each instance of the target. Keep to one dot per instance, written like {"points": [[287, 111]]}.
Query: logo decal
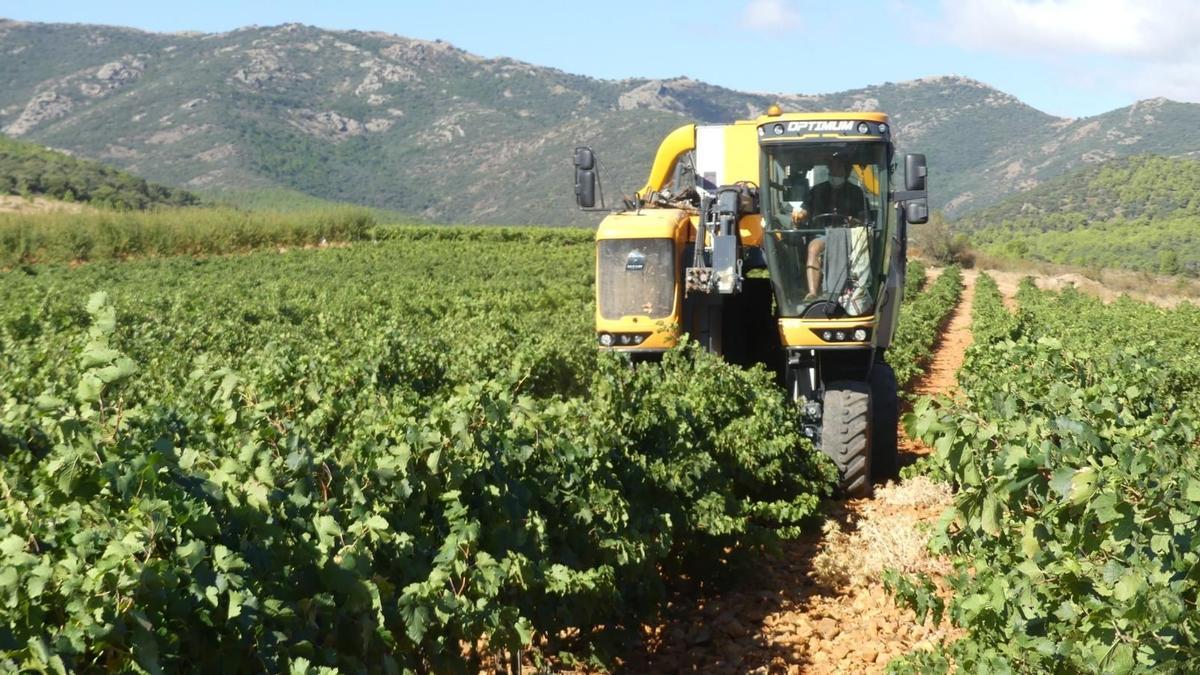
{"points": [[636, 262], [821, 125]]}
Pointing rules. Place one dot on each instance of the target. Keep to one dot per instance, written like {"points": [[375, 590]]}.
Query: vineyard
{"points": [[1075, 456], [408, 455]]}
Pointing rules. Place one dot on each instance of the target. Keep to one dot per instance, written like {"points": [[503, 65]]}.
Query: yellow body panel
{"points": [[799, 332], [674, 224], [664, 336], [836, 116], [750, 229], [868, 179], [741, 153], [648, 224], [741, 164], [811, 116]]}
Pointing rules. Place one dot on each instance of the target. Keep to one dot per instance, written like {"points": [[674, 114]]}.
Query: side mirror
{"points": [[914, 173], [585, 178], [916, 211], [585, 188], [584, 158]]}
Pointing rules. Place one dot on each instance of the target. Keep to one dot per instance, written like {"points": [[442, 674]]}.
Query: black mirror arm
{"points": [[600, 193]]}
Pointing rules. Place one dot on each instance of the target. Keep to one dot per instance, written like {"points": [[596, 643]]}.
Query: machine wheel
{"points": [[885, 411], [846, 434]]}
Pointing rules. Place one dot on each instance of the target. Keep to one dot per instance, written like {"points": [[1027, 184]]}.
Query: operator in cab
{"points": [[836, 196], [821, 210]]}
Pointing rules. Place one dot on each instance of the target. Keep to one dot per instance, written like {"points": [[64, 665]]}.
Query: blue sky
{"points": [[1067, 57]]}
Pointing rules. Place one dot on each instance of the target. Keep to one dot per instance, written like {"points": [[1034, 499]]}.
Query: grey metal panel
{"points": [[636, 277]]}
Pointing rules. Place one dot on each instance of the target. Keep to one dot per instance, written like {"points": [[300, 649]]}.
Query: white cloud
{"points": [[1179, 81], [1157, 40], [1120, 27], [771, 15]]}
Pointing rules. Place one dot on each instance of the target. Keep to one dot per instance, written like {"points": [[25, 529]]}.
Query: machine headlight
{"points": [[847, 335], [778, 129], [864, 128], [883, 128], [622, 339]]}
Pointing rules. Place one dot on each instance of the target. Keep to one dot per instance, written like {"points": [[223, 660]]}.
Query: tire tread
{"points": [[885, 408], [846, 434]]}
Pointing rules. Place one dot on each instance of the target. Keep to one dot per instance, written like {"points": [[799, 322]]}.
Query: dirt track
{"points": [[939, 377], [818, 607]]}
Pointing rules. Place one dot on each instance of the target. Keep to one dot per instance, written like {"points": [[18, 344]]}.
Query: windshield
{"points": [[824, 212]]}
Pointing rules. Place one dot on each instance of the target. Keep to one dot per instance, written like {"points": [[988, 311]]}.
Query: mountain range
{"points": [[431, 130]]}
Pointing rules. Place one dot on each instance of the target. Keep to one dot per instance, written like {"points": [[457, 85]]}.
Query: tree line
{"points": [[30, 170]]}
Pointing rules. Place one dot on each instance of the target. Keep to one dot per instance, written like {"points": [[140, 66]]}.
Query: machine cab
{"points": [[825, 214]]}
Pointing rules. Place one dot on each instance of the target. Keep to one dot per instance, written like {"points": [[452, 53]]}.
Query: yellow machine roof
{"points": [[808, 116], [740, 144]]}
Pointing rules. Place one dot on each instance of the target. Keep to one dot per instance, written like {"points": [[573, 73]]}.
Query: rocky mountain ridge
{"points": [[430, 129]]}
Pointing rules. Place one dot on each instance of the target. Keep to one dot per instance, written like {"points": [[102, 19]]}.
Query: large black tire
{"points": [[885, 411], [846, 434]]}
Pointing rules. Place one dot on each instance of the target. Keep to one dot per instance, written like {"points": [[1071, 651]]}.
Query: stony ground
{"points": [[818, 606]]}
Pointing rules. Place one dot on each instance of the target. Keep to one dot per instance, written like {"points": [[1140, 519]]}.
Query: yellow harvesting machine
{"points": [[778, 240]]}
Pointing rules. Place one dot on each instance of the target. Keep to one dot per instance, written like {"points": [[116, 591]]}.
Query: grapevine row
{"points": [[402, 456], [1077, 465]]}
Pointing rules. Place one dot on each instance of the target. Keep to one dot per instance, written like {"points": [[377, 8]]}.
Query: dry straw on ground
{"points": [[889, 532]]}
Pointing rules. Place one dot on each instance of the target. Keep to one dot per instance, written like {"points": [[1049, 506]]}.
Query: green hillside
{"points": [[431, 130], [1139, 213], [28, 169]]}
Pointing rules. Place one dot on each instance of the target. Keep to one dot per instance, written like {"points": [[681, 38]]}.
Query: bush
{"points": [[939, 242]]}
